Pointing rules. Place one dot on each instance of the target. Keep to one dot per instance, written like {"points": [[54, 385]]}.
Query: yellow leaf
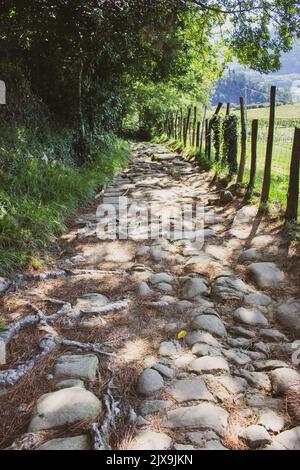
{"points": [[182, 334]]}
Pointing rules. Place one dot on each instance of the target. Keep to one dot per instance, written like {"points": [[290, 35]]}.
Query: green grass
{"points": [[285, 111], [41, 187], [279, 172]]}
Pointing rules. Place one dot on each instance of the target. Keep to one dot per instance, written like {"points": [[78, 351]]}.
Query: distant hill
{"points": [[232, 85], [235, 84]]}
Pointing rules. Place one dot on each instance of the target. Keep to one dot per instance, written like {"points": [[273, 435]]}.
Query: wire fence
{"points": [[196, 132]]}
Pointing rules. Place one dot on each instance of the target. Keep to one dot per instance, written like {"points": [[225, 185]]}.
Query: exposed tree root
{"points": [[51, 340], [88, 347], [113, 307], [65, 273], [100, 433], [27, 441], [11, 377]]}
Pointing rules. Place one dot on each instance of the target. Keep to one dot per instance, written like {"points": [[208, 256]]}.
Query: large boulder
{"points": [[64, 407]]}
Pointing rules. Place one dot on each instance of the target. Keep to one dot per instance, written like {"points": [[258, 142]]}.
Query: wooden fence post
{"points": [[172, 125], [208, 139], [176, 125], [187, 125], [227, 109], [254, 136], [181, 124], [219, 107], [293, 192], [198, 134], [168, 126], [243, 142], [268, 162], [202, 128], [183, 129], [194, 126]]}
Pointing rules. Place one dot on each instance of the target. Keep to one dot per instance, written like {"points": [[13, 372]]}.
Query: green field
{"points": [[285, 111]]}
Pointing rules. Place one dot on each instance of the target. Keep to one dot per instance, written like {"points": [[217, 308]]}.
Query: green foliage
{"points": [[40, 189], [230, 143]]}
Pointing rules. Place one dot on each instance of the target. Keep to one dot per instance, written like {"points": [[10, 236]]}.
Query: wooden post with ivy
{"points": [[243, 142], [230, 143], [215, 126], [291, 212], [269, 153], [254, 136]]}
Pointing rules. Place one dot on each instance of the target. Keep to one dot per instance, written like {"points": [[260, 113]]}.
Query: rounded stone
{"points": [[266, 275], [67, 443], [66, 406], [282, 379], [256, 436], [251, 317], [210, 323], [149, 382]]}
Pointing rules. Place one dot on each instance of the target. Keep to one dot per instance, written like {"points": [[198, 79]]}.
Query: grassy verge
{"points": [[40, 187]]}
